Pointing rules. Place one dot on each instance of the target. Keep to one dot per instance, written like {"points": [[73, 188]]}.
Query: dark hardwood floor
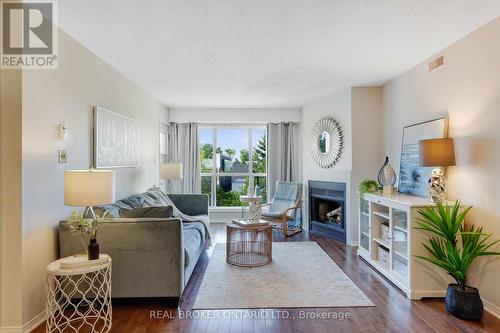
{"points": [[393, 311]]}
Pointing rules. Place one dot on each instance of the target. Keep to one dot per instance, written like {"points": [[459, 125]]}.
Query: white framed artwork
{"points": [[116, 140]]}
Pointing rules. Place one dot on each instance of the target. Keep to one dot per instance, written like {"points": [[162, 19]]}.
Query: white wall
{"points": [[10, 198], [338, 106], [68, 94], [234, 115], [358, 111], [367, 151], [467, 87]]}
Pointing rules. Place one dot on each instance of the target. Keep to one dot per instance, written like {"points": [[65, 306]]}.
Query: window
{"points": [[238, 159], [163, 142]]}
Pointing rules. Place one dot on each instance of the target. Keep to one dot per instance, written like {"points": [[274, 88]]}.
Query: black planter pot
{"points": [[93, 249], [464, 304]]}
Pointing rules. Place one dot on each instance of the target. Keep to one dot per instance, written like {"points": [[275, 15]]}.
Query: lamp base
{"points": [[437, 186], [170, 186], [89, 212], [389, 190]]}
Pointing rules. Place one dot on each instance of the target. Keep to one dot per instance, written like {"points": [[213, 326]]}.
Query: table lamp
{"points": [[171, 172], [437, 153], [87, 188]]}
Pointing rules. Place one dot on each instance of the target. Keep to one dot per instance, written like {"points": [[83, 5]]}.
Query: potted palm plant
{"points": [[453, 247]]}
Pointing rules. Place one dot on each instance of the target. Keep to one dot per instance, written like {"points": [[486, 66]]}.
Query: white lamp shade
{"points": [[171, 171], [89, 187]]}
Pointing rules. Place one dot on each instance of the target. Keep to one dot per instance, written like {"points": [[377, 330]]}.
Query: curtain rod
{"points": [[235, 124]]}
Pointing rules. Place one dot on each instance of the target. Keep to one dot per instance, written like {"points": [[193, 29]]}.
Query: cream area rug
{"points": [[301, 275]]}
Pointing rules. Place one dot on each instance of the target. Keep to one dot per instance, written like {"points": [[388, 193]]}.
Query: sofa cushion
{"points": [[194, 241], [272, 214], [147, 212], [193, 204]]}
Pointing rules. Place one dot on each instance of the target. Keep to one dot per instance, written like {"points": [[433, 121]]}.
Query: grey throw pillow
{"points": [[147, 212], [113, 211]]}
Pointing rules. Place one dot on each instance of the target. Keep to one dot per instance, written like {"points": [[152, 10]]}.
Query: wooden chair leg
{"points": [[283, 225]]}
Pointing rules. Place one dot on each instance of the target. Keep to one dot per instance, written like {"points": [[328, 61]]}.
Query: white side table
{"points": [[79, 297], [254, 205]]}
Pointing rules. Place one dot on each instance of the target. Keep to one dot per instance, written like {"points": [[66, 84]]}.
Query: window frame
{"points": [[250, 174]]}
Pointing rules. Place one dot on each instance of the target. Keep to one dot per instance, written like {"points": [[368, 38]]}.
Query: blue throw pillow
{"points": [[133, 201]]}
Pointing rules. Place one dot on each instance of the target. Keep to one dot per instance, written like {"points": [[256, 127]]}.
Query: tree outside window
{"points": [[240, 157]]}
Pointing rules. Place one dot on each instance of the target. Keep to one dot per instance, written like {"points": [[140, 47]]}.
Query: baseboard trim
{"points": [[491, 308], [28, 327], [416, 295], [11, 329], [34, 322]]}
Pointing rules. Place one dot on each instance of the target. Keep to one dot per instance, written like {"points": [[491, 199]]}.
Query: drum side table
{"points": [[249, 246], [79, 298]]}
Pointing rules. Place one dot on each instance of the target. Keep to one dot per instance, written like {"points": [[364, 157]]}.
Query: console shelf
{"points": [[382, 215], [389, 242]]}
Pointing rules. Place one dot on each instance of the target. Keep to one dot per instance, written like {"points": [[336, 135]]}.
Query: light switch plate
{"points": [[62, 131], [63, 156]]}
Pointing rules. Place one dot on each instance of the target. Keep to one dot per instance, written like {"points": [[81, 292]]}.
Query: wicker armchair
{"points": [[285, 207]]}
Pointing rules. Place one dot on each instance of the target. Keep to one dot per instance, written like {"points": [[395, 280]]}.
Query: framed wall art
{"points": [[413, 178], [116, 140]]}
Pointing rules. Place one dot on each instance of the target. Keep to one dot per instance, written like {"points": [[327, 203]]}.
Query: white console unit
{"points": [[389, 242]]}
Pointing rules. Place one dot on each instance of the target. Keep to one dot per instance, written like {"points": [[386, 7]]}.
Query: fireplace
{"points": [[327, 209]]}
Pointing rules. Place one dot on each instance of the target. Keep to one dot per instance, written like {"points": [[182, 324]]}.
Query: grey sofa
{"points": [[152, 257]]}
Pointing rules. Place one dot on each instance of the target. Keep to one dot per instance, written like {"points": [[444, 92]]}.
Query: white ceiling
{"points": [[264, 53]]}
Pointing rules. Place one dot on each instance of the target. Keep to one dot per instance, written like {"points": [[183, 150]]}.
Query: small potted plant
{"points": [[367, 186], [87, 226], [453, 247]]}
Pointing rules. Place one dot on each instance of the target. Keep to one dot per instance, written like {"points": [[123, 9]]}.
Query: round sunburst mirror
{"points": [[327, 142]]}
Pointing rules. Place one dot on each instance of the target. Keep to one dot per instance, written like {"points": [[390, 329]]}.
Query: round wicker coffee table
{"points": [[250, 246]]}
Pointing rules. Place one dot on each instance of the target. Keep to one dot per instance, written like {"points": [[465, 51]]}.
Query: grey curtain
{"points": [[183, 148], [283, 156]]}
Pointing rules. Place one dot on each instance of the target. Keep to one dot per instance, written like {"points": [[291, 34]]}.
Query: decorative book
{"points": [[249, 222], [81, 261]]}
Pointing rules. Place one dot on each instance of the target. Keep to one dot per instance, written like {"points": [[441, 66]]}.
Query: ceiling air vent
{"points": [[436, 63]]}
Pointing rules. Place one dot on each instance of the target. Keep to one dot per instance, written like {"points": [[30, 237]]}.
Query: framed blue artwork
{"points": [[413, 178]]}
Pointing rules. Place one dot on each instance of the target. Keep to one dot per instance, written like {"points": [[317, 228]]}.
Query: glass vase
{"points": [[387, 176]]}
